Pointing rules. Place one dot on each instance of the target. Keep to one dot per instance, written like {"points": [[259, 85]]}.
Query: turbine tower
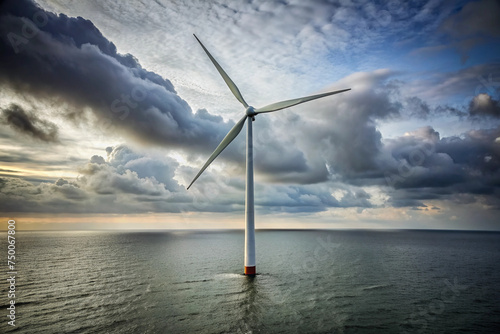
{"points": [[250, 114]]}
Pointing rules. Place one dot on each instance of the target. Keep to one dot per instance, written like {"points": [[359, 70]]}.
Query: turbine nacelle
{"points": [[250, 111]]}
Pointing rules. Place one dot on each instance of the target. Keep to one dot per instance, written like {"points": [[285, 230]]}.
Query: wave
{"points": [[376, 287], [228, 275]]}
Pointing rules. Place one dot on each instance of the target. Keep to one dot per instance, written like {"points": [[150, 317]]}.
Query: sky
{"points": [[108, 109]]}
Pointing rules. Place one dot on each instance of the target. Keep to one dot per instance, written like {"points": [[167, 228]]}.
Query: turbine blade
{"points": [[227, 79], [289, 103], [223, 144]]}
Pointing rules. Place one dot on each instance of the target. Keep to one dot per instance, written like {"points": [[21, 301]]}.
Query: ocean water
{"points": [[308, 282]]}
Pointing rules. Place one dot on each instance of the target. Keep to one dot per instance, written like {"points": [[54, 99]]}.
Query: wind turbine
{"points": [[250, 114]]}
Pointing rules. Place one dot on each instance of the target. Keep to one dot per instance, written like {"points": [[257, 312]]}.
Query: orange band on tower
{"points": [[250, 270]]}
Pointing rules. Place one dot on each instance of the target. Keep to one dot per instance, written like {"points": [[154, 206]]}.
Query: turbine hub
{"points": [[250, 111]]}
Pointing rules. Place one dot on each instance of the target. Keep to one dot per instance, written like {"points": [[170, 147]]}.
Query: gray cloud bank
{"points": [[129, 182], [126, 183], [414, 168]]}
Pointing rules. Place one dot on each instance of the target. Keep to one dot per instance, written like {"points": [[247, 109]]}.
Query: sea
{"points": [[308, 281]]}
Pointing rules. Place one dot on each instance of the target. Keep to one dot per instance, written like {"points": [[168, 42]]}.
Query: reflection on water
{"points": [[250, 307]]}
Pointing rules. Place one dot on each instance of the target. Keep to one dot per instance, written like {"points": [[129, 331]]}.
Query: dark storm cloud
{"points": [[430, 167], [280, 160], [473, 24], [58, 57], [345, 133], [478, 150], [28, 123], [414, 168]]}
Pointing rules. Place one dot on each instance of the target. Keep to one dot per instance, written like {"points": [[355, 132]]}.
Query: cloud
{"points": [[341, 133], [417, 108], [126, 183], [484, 105], [309, 198], [49, 57], [476, 22], [461, 85], [130, 182], [418, 167], [28, 123], [18, 195], [69, 60], [474, 19], [122, 157], [481, 108], [273, 50], [450, 168]]}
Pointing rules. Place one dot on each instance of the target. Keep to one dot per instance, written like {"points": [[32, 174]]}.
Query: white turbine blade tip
{"points": [[290, 103], [229, 82]]}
